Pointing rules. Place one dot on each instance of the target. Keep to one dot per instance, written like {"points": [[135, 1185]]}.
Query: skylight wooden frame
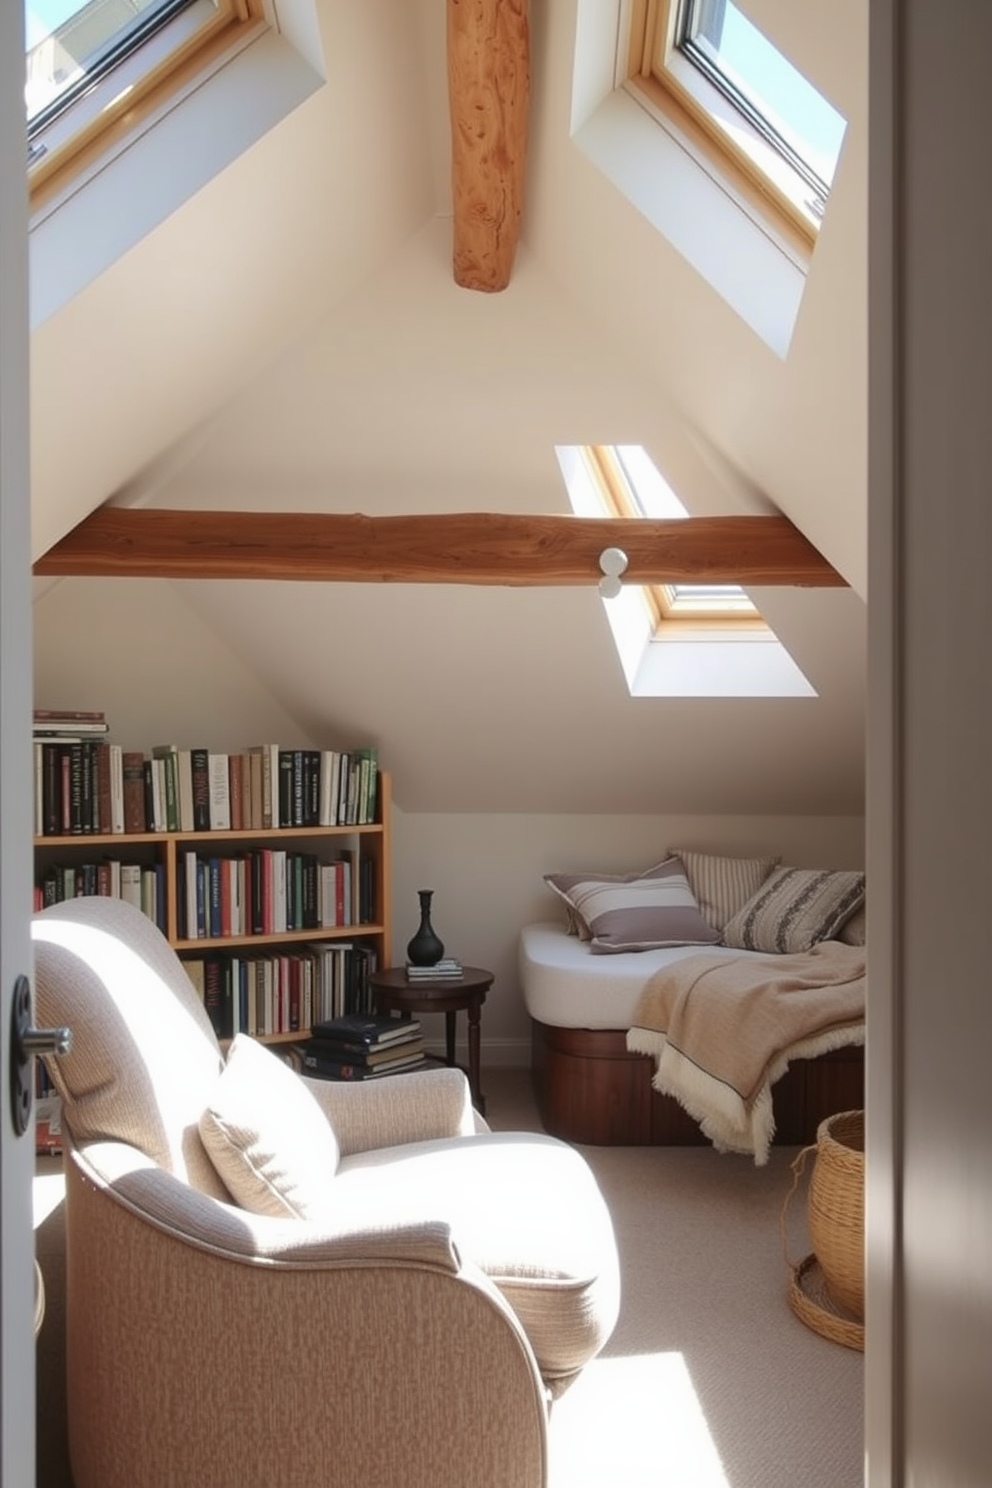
{"points": [[663, 601], [171, 61], [675, 90]]}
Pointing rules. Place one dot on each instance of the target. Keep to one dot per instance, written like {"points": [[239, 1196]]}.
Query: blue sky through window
{"points": [[773, 87], [42, 17]]}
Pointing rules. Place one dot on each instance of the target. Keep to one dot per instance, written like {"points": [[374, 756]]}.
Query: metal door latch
{"points": [[26, 1043]]}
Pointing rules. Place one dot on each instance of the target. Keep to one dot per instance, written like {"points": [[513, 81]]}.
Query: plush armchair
{"points": [[272, 1280]]}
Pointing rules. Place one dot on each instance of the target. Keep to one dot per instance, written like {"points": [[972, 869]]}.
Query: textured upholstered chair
{"points": [[278, 1281]]}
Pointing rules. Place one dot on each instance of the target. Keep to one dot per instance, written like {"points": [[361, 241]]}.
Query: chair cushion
{"points": [[524, 1208], [144, 1056], [267, 1137]]}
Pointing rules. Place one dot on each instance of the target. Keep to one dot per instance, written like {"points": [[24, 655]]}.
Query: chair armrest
{"points": [[413, 1107], [188, 1365], [160, 1199]]}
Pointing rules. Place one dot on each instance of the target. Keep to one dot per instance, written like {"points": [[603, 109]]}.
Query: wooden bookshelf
{"points": [[368, 842]]}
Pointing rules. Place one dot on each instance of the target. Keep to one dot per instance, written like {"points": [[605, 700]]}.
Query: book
{"points": [[199, 761], [285, 791], [235, 770], [369, 1029], [220, 792], [116, 788], [71, 728], [168, 755], [446, 968], [360, 1054], [184, 789], [51, 790], [131, 883], [69, 715], [329, 1068]]}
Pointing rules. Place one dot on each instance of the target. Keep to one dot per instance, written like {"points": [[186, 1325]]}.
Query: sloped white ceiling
{"points": [[342, 370]]}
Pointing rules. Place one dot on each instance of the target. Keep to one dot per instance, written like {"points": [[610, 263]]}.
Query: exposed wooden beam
{"points": [[488, 94], [454, 548]]}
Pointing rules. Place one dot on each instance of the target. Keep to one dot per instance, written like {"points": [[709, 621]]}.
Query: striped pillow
{"points": [[722, 886], [656, 908], [852, 932], [795, 908]]}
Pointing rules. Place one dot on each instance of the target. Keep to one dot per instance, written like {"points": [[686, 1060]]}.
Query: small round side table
{"points": [[393, 991]]}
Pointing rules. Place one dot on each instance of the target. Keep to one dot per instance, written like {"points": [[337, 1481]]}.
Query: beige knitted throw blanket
{"points": [[722, 1030]]}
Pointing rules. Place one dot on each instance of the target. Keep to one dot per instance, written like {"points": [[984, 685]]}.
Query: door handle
{"points": [[26, 1043]]}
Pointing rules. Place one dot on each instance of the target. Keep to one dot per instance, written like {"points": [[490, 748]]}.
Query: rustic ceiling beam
{"points": [[453, 548], [488, 93]]}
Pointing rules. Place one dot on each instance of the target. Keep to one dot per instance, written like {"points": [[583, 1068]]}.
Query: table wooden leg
{"points": [[474, 1015], [449, 1037]]}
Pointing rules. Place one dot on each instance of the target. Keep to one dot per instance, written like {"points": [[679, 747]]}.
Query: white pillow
{"points": [[267, 1136]]}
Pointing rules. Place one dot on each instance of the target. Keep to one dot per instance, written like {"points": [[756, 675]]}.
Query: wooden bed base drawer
{"points": [[590, 1089]]}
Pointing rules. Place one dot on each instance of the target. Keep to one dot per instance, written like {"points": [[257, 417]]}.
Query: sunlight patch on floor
{"points": [[633, 1422], [48, 1191]]}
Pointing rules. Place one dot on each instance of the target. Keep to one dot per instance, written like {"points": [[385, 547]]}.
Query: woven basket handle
{"points": [[798, 1168]]}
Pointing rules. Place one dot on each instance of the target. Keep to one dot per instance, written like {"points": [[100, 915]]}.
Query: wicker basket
{"points": [[836, 1209], [814, 1306]]}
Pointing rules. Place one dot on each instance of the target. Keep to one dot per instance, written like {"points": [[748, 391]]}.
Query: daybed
{"points": [[591, 1087]]}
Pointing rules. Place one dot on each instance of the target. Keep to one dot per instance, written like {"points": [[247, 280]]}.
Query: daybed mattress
{"points": [[566, 985]]}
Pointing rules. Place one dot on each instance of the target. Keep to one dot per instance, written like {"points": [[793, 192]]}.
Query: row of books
{"points": [[141, 884], [362, 1047], [268, 891], [283, 992], [89, 785]]}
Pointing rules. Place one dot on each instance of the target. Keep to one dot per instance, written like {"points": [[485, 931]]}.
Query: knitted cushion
{"points": [[267, 1136]]}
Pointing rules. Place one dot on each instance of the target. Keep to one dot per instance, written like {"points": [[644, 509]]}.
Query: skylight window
{"points": [[712, 72], [95, 68], [633, 486], [712, 643], [71, 45]]}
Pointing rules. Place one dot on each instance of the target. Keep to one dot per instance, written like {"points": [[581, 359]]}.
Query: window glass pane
{"points": [[649, 495], [721, 39], [70, 44]]}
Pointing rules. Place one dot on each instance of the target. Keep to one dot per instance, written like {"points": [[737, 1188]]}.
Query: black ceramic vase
{"points": [[425, 949]]}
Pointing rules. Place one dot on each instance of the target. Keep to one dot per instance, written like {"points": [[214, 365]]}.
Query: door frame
{"points": [[17, 1346]]}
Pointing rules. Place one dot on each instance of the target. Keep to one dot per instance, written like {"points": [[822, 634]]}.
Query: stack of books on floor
{"points": [[362, 1046], [445, 969]]}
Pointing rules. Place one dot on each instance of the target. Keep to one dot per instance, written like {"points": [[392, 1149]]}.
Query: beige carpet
{"points": [[709, 1381]]}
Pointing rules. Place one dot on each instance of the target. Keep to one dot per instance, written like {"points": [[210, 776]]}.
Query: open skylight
{"points": [[71, 44], [675, 640], [93, 68], [710, 70], [766, 90], [633, 486]]}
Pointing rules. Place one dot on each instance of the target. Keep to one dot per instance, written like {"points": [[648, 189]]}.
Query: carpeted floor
{"points": [[709, 1380]]}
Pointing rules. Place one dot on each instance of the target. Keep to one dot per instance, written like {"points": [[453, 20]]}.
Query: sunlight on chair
{"points": [[633, 1422], [128, 978]]}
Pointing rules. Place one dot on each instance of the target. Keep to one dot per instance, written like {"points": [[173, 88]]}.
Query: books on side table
{"points": [[359, 1046], [445, 969]]}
